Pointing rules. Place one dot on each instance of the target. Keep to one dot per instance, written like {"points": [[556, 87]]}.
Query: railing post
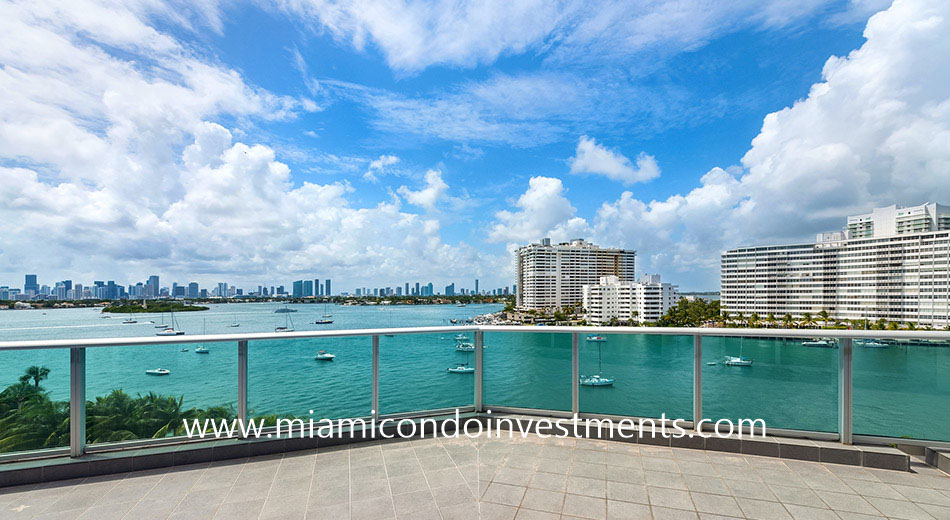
{"points": [[242, 382], [77, 401], [697, 381], [375, 405], [575, 375], [845, 387], [479, 345]]}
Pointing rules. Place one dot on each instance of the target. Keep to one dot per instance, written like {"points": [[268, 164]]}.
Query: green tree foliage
{"points": [[29, 420], [690, 313]]}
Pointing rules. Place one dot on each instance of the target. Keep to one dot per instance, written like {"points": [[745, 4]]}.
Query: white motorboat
{"points": [[170, 331], [461, 368], [820, 343], [158, 372], [460, 337], [202, 350], [596, 338], [465, 347], [871, 343], [323, 355]]}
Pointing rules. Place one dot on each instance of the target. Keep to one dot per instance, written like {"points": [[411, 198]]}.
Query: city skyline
{"points": [[255, 141]]}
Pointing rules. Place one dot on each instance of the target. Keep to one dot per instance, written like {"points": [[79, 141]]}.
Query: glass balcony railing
{"points": [[902, 389], [824, 384], [528, 370], [790, 383], [651, 375]]}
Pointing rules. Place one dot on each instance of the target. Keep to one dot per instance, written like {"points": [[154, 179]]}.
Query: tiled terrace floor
{"points": [[528, 478]]}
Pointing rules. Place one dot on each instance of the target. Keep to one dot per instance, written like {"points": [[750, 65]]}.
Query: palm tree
{"points": [[770, 319], [807, 319], [753, 319], [787, 321], [824, 317], [37, 374]]}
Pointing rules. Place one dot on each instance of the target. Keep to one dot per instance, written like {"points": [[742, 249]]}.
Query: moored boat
{"points": [[158, 372], [323, 355]]}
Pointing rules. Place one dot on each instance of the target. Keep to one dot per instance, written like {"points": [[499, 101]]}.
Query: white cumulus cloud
{"points": [[597, 159], [377, 166], [426, 197], [543, 211]]}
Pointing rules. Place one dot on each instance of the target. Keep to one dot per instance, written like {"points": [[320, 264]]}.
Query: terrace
{"points": [[805, 468]]}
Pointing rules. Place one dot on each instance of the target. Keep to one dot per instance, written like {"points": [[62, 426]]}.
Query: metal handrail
{"points": [[845, 361]]}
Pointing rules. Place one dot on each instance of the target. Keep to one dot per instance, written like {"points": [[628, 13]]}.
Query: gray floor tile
{"points": [[504, 494], [542, 500], [617, 510], [585, 507]]}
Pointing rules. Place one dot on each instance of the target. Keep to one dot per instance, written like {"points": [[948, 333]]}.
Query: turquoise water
{"points": [[898, 391]]}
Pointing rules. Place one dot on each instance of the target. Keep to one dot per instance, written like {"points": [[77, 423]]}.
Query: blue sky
{"points": [[391, 142]]}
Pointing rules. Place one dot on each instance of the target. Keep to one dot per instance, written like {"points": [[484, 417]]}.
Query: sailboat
{"points": [[326, 312], [161, 323], [129, 320], [740, 361], [204, 329], [288, 326], [170, 330], [235, 322], [598, 379]]}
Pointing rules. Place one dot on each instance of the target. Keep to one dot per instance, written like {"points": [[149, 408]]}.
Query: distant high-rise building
{"points": [[327, 291], [193, 290], [890, 264], [152, 287], [30, 287], [450, 289], [406, 290], [297, 291], [222, 289], [553, 276], [416, 292], [476, 286], [317, 288], [307, 288]]}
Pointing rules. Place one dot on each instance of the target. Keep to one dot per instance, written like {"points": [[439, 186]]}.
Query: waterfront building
{"points": [[450, 289], [645, 300], [892, 264], [307, 288], [193, 290], [297, 289], [152, 287], [552, 276], [326, 288]]}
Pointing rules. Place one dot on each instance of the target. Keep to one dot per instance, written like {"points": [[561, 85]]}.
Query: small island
{"points": [[126, 307]]}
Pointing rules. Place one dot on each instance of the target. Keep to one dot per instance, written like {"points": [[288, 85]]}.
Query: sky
{"points": [[384, 142]]}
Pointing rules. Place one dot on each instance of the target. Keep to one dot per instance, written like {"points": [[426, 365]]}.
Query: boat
{"points": [[322, 322], [461, 337], [326, 312], [465, 347], [737, 361], [871, 343], [460, 305], [596, 380], [170, 330], [461, 368], [202, 350], [288, 326], [596, 338], [129, 320], [282, 310], [184, 350], [161, 324], [453, 321], [820, 343], [323, 355], [234, 323], [712, 363], [158, 372]]}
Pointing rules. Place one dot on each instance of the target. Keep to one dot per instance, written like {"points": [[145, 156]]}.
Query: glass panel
{"points": [[125, 402], [651, 374], [34, 399], [527, 370], [285, 377], [791, 383], [902, 389], [414, 375]]}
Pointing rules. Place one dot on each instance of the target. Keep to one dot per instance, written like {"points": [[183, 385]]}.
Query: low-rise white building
{"points": [[644, 300]]}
